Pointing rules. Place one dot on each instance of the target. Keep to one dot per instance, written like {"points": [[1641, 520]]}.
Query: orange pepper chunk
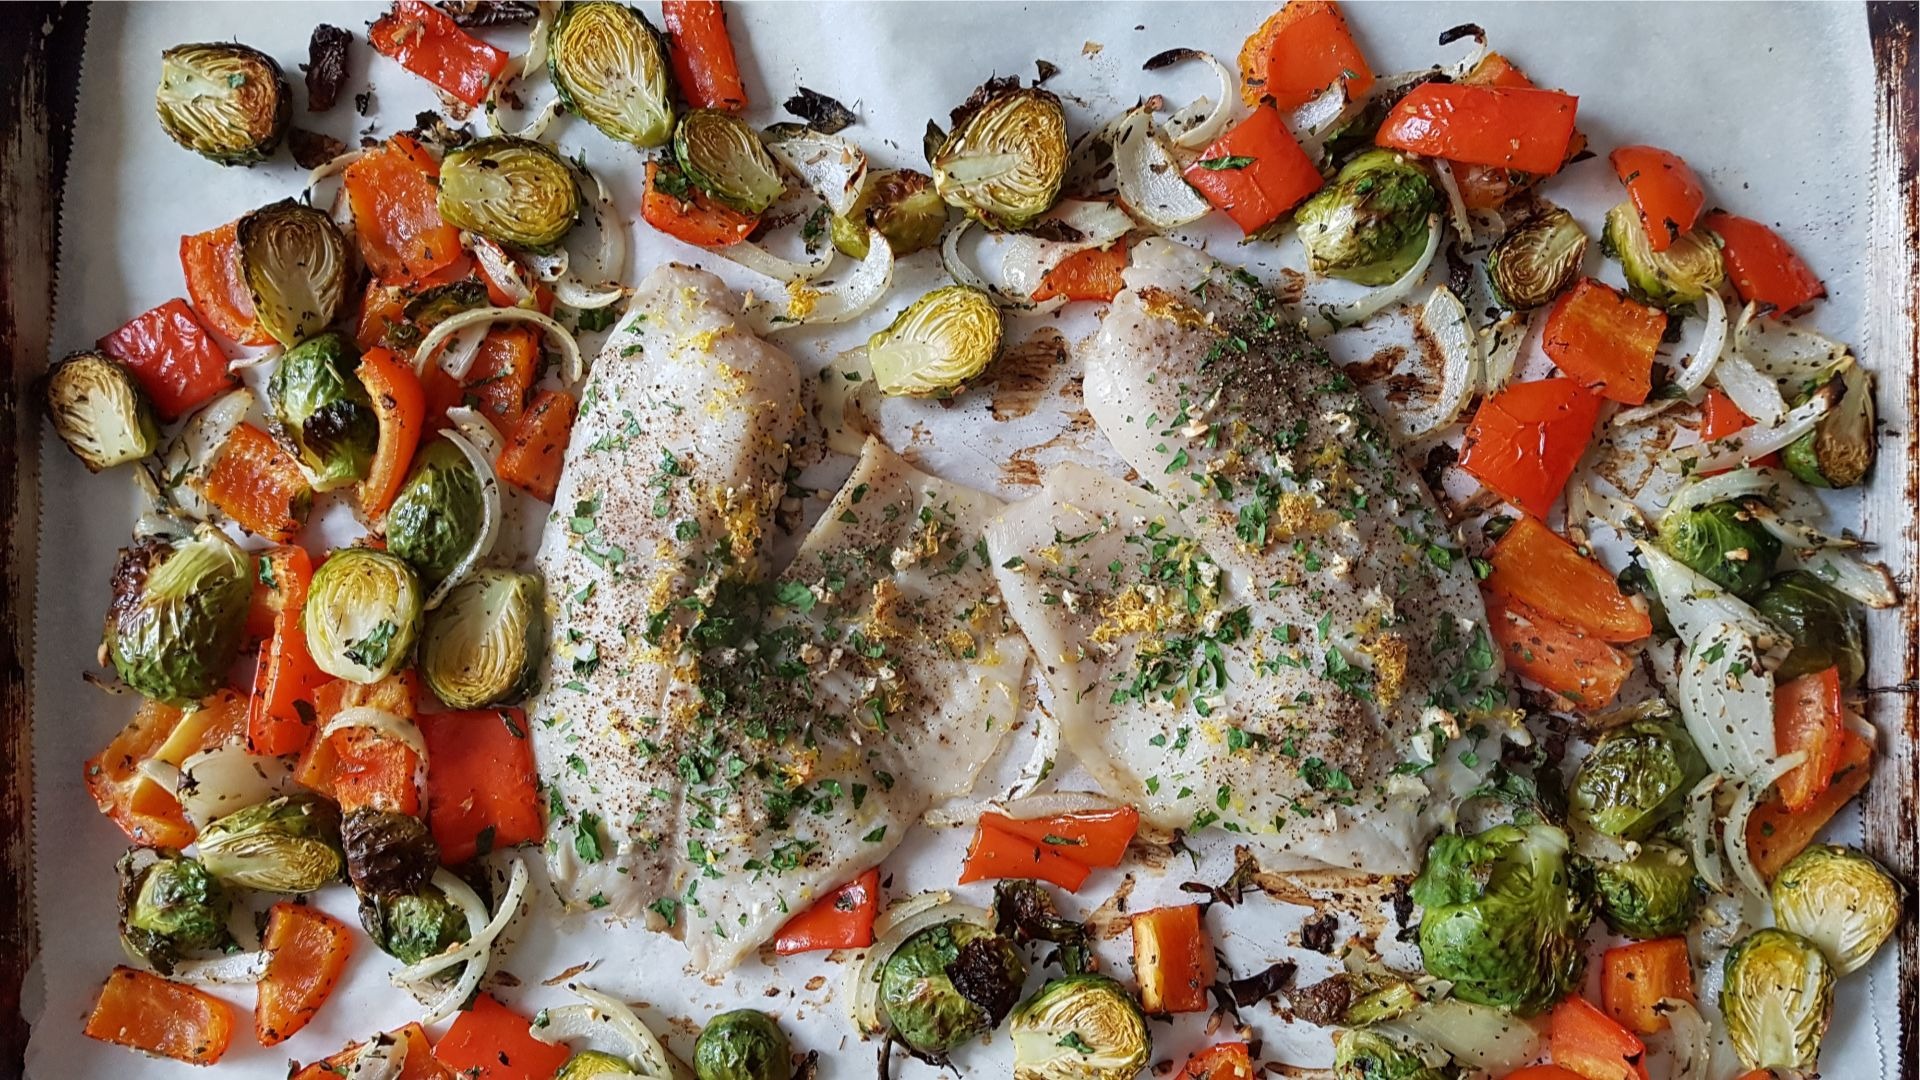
{"points": [[141, 1010]]}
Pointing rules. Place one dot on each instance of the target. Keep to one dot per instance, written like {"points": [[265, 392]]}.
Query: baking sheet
{"points": [[1772, 104]]}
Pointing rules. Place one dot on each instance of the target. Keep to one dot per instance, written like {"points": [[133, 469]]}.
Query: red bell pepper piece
{"points": [[1665, 192], [537, 446], [482, 790], [1776, 834], [1093, 274], [1586, 1040], [1535, 565], [1221, 1061], [703, 63], [1509, 127], [680, 210], [419, 1064], [1487, 187], [1298, 52], [1173, 959], [1635, 978], [210, 261], [1720, 417], [394, 192], [426, 41], [1525, 440], [1568, 661], [147, 812], [1090, 838], [176, 361], [1605, 340], [842, 919], [257, 483], [1764, 268], [1531, 1072], [157, 1016], [1255, 172], [1808, 717], [504, 370], [281, 713], [996, 854], [509, 284], [492, 1042], [401, 406], [307, 952], [356, 766]]}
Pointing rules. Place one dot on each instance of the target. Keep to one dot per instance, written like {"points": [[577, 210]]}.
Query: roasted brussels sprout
{"points": [[439, 513], [1537, 260], [1082, 1027], [289, 845], [1651, 895], [1675, 278], [297, 269], [411, 926], [1378, 1054], [1369, 224], [1724, 543], [1503, 919], [438, 303], [1777, 999], [722, 156], [224, 101], [1839, 899], [179, 611], [100, 412], [609, 66], [482, 646], [1636, 778], [1839, 450], [593, 1064], [744, 1044], [1004, 159], [1827, 629], [900, 203], [1023, 910], [947, 984], [936, 344], [362, 614], [169, 907], [321, 411], [513, 190], [388, 853]]}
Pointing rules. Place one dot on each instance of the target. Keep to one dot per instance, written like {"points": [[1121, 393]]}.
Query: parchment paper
{"points": [[1770, 103]]}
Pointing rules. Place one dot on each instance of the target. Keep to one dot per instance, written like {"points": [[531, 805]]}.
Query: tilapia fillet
{"points": [[719, 749], [1283, 638]]}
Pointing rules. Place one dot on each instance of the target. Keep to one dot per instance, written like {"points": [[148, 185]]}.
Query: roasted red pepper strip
{"points": [[281, 715], [1586, 1040], [492, 1042], [146, 811], [482, 791], [1510, 127], [257, 483], [1635, 978], [1526, 439], [537, 446], [1486, 187], [1764, 268], [703, 63], [176, 361], [1808, 717], [1093, 274], [1537, 566], [1173, 959], [394, 193], [1255, 172], [1776, 834], [1298, 52], [1605, 340], [1578, 666], [1090, 838], [1665, 192], [307, 952], [401, 406], [167, 1019], [426, 41], [1221, 1061], [998, 854], [211, 263], [674, 207], [419, 1064], [842, 919], [1720, 417]]}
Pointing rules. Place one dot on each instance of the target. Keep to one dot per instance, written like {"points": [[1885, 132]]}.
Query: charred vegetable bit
{"points": [[610, 66], [224, 101], [947, 985], [388, 853], [821, 113], [100, 412], [1023, 910], [326, 66]]}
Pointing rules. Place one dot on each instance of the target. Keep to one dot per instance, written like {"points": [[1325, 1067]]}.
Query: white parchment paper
{"points": [[1772, 104]]}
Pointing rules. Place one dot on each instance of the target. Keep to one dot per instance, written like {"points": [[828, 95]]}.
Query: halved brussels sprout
{"points": [[438, 514], [289, 845], [296, 266], [1839, 450], [948, 984], [1003, 162], [1839, 899], [169, 906], [1827, 628], [100, 412], [1537, 260], [724, 157], [1636, 779], [179, 611], [412, 926], [1651, 895], [592, 1064], [1723, 543], [225, 101], [934, 346], [900, 203], [609, 66], [1777, 999], [513, 190], [483, 645], [744, 1044], [1082, 1027], [320, 411], [1380, 1054], [439, 303], [1369, 225], [1675, 278], [388, 853], [362, 614]]}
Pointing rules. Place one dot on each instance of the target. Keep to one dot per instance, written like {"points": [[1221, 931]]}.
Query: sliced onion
{"points": [[333, 166], [761, 261], [836, 303], [964, 274], [1203, 121], [1040, 763], [1726, 698], [1055, 804], [1698, 826], [1322, 116], [1751, 792], [482, 465], [609, 258], [1797, 535], [1148, 178], [385, 724], [1744, 446], [1783, 351], [476, 952], [1479, 1035], [849, 402], [831, 167], [1456, 204], [236, 969], [1692, 1048], [478, 430], [571, 364], [1758, 396], [1443, 320], [1869, 583], [1862, 727], [604, 1015], [1706, 354], [903, 919], [382, 1058], [1500, 344], [1695, 604], [1386, 296], [1026, 259], [217, 782], [1776, 486], [461, 351], [516, 67], [191, 455], [501, 270]]}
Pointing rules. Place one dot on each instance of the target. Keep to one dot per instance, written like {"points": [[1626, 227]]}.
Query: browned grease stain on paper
{"points": [[1021, 469], [1024, 372]]}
